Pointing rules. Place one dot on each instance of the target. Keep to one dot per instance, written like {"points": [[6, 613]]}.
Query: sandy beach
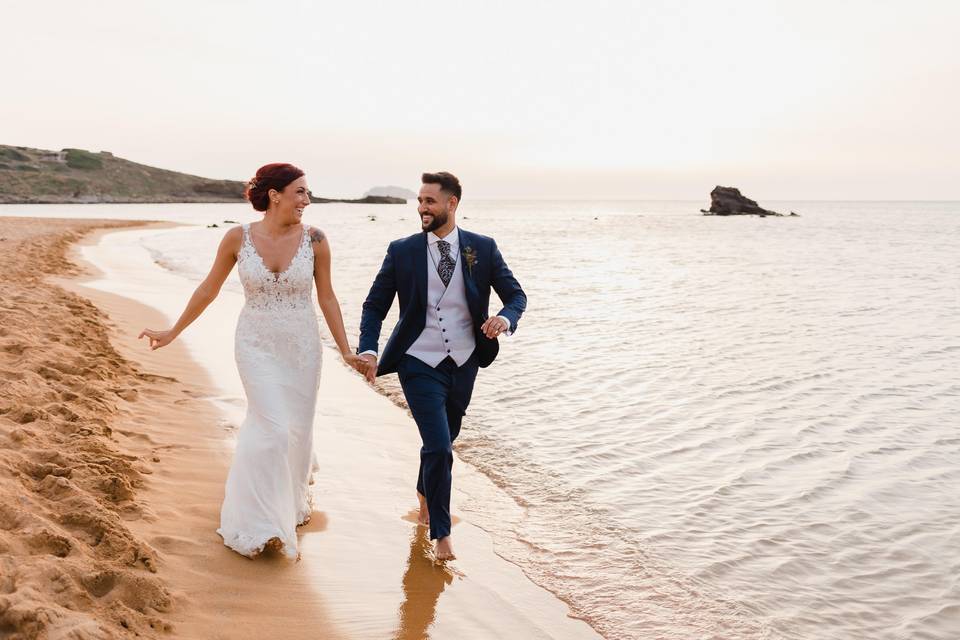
{"points": [[114, 459]]}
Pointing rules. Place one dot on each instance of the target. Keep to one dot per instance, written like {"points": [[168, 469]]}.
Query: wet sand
{"points": [[108, 517]]}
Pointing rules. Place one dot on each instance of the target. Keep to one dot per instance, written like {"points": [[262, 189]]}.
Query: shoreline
{"points": [[371, 580]]}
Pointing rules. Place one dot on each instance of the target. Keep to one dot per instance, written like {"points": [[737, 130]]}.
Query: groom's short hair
{"points": [[447, 181]]}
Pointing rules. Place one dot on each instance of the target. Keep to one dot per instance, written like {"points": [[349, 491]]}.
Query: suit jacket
{"points": [[404, 274]]}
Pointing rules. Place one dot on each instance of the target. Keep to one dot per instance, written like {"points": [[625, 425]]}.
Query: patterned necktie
{"points": [[447, 263]]}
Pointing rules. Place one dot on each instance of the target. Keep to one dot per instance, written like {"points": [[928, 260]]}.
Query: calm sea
{"points": [[709, 427]]}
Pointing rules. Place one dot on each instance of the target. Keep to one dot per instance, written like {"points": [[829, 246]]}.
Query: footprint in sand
{"points": [[99, 584], [46, 541], [20, 435], [65, 367], [117, 488], [129, 394], [180, 546], [14, 348], [11, 519], [62, 411], [11, 376], [68, 396], [25, 415], [56, 488], [136, 435], [134, 511], [142, 593], [42, 470]]}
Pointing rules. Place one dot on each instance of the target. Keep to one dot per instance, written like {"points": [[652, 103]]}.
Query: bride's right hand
{"points": [[157, 338]]}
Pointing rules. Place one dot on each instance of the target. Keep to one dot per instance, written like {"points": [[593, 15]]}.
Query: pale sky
{"points": [[608, 100]]}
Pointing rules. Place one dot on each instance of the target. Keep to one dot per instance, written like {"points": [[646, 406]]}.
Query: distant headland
{"points": [[76, 176], [391, 192]]}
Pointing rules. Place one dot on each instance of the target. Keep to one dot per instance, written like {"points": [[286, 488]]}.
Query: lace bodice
{"points": [[269, 291]]}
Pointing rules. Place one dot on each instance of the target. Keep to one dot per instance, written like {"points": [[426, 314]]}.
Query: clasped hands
{"points": [[366, 363]]}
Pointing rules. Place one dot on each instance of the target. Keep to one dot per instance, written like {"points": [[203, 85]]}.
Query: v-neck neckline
{"points": [[256, 252]]}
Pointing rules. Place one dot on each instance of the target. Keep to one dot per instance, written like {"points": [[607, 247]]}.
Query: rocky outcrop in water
{"points": [[728, 201]]}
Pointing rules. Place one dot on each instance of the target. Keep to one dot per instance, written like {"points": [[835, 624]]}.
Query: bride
{"points": [[278, 355]]}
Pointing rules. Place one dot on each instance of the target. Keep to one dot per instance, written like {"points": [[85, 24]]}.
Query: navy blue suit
{"points": [[437, 396]]}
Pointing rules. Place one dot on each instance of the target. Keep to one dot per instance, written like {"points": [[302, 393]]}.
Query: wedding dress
{"points": [[278, 355]]}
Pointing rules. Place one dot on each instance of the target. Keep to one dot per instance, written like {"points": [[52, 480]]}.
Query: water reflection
{"points": [[423, 582]]}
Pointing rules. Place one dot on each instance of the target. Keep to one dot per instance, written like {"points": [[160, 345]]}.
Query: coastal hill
{"points": [[391, 192], [76, 176]]}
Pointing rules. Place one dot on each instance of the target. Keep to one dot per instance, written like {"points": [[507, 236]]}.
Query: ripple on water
{"points": [[719, 428]]}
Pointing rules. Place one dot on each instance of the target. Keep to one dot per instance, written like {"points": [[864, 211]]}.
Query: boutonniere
{"points": [[471, 258]]}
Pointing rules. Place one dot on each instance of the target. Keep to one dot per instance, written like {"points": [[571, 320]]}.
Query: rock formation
{"points": [[728, 201]]}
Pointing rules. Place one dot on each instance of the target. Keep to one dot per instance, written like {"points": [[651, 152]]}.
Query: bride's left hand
{"points": [[158, 338]]}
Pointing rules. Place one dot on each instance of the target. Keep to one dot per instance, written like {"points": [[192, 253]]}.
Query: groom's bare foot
{"points": [[444, 550], [424, 517]]}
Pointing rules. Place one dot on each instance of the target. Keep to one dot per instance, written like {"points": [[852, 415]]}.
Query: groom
{"points": [[443, 278]]}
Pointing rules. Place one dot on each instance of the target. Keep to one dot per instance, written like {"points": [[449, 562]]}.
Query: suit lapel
{"points": [[473, 295], [420, 267]]}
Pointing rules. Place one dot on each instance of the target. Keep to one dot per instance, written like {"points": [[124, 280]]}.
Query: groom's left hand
{"points": [[370, 370], [494, 326]]}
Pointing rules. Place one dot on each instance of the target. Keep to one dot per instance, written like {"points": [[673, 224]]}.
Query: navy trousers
{"points": [[438, 398]]}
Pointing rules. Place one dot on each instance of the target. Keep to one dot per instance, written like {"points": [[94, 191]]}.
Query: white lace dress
{"points": [[278, 355]]}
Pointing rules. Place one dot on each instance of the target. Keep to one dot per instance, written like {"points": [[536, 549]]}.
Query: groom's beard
{"points": [[438, 221]]}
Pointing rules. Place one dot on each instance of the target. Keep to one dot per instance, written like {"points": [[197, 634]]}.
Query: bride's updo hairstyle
{"points": [[270, 176]]}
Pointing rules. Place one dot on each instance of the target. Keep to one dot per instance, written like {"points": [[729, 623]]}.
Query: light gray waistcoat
{"points": [[449, 328]]}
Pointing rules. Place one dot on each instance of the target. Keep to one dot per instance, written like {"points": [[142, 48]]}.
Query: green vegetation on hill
{"points": [[79, 176], [76, 176], [80, 159]]}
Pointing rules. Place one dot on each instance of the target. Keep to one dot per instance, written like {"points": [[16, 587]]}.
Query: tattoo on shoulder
{"points": [[316, 236]]}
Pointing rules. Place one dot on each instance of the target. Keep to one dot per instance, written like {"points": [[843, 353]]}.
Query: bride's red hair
{"points": [[270, 176]]}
